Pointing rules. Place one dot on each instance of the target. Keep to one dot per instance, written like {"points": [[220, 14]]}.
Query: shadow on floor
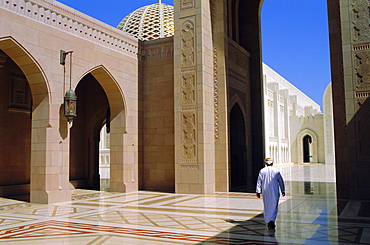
{"points": [[251, 231]]}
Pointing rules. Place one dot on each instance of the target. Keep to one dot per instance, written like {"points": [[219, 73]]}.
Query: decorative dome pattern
{"points": [[150, 22]]}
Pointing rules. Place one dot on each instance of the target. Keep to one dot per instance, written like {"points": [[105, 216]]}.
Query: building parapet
{"points": [[64, 18]]}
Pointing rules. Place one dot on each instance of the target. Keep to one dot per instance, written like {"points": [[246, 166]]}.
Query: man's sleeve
{"points": [[281, 183], [259, 183]]}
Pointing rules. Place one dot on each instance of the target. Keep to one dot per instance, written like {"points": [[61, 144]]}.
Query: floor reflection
{"points": [[309, 214]]}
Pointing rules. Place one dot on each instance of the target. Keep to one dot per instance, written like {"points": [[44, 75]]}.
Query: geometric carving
{"points": [[188, 89], [187, 44], [187, 4], [20, 94], [189, 135], [361, 47], [190, 167], [361, 20], [215, 93], [149, 22], [362, 68]]}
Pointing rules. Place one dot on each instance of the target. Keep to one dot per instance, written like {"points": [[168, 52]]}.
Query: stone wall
{"points": [[157, 168]]}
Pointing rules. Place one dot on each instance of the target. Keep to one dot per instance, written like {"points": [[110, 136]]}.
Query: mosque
{"points": [[183, 93]]}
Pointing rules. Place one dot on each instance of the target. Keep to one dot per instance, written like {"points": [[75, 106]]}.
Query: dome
{"points": [[149, 22]]}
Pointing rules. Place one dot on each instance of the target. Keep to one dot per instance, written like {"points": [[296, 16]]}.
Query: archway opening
{"points": [[104, 158], [92, 113], [238, 150], [15, 131], [307, 141]]}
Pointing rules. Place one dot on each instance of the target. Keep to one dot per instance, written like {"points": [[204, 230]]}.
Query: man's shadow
{"points": [[251, 231]]}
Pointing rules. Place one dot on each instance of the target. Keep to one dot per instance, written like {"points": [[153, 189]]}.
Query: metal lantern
{"points": [[70, 100]]}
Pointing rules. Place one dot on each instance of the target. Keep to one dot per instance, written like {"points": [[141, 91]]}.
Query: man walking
{"points": [[268, 183]]}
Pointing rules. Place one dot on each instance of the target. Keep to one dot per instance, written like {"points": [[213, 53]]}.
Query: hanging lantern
{"points": [[70, 100]]}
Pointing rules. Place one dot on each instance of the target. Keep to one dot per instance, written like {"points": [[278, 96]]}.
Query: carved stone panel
{"points": [[187, 4], [20, 95], [188, 42], [215, 94], [188, 89], [189, 151], [361, 20], [362, 68]]}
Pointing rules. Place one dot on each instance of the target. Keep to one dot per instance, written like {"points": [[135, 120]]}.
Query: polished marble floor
{"points": [[309, 214]]}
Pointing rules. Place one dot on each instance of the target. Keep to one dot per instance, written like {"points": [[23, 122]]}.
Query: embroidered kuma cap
{"points": [[269, 161]]}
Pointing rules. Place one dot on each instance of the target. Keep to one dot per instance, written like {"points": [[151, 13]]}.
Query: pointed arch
{"points": [[313, 149], [111, 87], [35, 75], [42, 126], [118, 131], [238, 147], [236, 100]]}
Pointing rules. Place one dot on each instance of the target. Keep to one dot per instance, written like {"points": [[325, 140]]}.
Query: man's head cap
{"points": [[269, 161]]}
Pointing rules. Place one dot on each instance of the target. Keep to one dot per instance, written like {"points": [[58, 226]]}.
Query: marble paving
{"points": [[309, 214]]}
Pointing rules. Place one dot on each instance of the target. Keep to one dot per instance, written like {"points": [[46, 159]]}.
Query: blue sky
{"points": [[294, 36]]}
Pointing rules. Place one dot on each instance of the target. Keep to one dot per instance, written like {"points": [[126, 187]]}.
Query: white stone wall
{"points": [[286, 108], [312, 125]]}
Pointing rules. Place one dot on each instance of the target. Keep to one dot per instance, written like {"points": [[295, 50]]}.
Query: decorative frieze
{"points": [[187, 4], [215, 94], [190, 167], [54, 14], [188, 69], [361, 47], [157, 49]]}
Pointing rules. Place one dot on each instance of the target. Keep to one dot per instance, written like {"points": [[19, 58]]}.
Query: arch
{"points": [[118, 116], [41, 124], [236, 100], [307, 141], [92, 107], [111, 87], [35, 75], [304, 136]]}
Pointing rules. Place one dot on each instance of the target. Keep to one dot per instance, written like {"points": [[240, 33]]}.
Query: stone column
{"points": [[194, 100], [49, 155], [123, 154]]}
